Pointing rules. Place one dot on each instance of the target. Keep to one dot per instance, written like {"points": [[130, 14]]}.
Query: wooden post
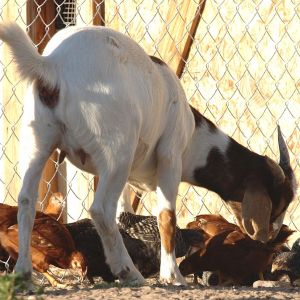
{"points": [[99, 12], [39, 13], [188, 44], [175, 34]]}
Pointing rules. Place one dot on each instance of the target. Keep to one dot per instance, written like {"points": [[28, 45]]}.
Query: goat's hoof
{"points": [[23, 276], [23, 270], [131, 277], [179, 281], [22, 282]]}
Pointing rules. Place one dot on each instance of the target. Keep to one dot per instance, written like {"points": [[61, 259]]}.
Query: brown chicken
{"points": [[234, 255], [55, 206], [211, 224], [51, 243]]}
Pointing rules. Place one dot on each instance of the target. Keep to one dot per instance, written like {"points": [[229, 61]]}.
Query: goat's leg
{"points": [[26, 212], [169, 174], [103, 212], [124, 204]]}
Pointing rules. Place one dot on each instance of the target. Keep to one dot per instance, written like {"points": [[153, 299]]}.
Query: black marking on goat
{"points": [[227, 174], [124, 273], [48, 96], [62, 156], [197, 116], [199, 119], [157, 60]]}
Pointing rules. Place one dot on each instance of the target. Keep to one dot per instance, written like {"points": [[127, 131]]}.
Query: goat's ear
{"points": [[256, 211]]}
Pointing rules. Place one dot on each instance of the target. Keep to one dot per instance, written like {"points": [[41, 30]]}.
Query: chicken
{"points": [[55, 206], [145, 228], [8, 217], [8, 213], [51, 243], [210, 278], [6, 263], [212, 224], [234, 255], [141, 238], [288, 263], [145, 256], [88, 242]]}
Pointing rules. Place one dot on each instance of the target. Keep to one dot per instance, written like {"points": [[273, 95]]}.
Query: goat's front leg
{"points": [[26, 213], [169, 174], [103, 212]]}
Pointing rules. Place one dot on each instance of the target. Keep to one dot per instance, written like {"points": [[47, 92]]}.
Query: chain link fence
{"points": [[238, 62]]}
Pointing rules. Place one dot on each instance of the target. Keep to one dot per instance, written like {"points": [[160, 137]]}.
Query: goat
{"points": [[116, 112], [256, 188]]}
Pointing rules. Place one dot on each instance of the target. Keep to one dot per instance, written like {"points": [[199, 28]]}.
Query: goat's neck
{"points": [[207, 140], [215, 161]]}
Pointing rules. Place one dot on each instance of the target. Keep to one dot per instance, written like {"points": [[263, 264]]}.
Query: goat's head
{"points": [[262, 210]]}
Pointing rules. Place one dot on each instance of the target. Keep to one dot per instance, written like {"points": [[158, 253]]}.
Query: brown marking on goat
{"points": [[62, 156], [48, 96], [228, 174], [167, 228], [157, 60], [82, 155], [111, 40]]}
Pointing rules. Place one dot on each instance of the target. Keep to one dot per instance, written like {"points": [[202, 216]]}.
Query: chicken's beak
{"points": [[274, 268]]}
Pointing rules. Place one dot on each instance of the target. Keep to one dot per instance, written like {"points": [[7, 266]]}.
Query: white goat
{"points": [[118, 113]]}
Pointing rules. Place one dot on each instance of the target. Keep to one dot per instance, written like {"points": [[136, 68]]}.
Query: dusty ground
{"points": [[156, 291]]}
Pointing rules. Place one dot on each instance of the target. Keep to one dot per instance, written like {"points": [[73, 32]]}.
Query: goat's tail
{"points": [[31, 65]]}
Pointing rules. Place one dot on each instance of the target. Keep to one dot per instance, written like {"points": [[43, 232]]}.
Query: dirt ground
{"points": [[155, 291]]}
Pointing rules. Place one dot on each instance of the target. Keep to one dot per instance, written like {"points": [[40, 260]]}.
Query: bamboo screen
{"points": [[238, 62]]}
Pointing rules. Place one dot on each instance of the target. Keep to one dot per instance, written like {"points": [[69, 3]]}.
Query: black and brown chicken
{"points": [[288, 263], [234, 255], [145, 228], [88, 241], [51, 243]]}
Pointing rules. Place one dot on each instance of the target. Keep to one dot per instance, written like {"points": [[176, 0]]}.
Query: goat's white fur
{"points": [[128, 114]]}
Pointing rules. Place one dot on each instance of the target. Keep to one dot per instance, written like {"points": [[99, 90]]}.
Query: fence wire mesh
{"points": [[242, 72]]}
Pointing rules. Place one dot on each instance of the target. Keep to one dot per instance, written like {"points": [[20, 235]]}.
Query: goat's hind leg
{"points": [[103, 212], [26, 212]]}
